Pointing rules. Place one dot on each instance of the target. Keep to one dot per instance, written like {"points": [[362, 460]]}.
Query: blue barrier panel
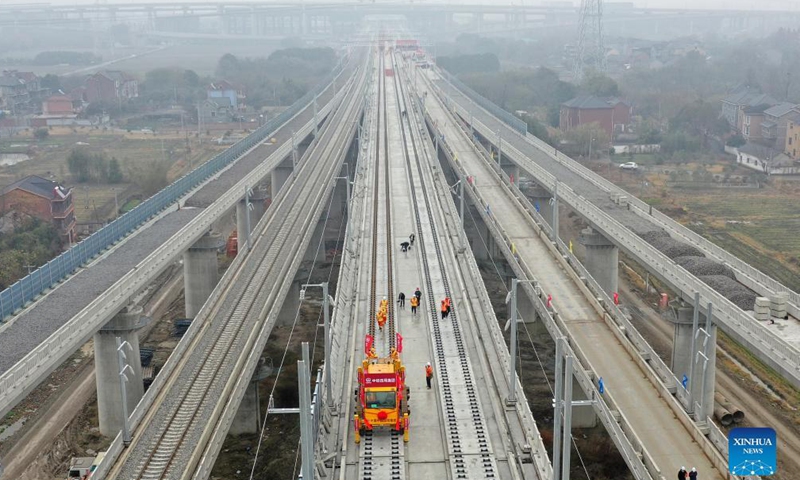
{"points": [[498, 112], [27, 288]]}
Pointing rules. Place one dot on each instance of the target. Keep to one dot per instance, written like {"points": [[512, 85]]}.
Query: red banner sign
{"points": [[380, 380]]}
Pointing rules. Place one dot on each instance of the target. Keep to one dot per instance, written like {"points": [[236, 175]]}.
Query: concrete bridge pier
{"points": [[602, 260], [682, 340], [248, 416], [511, 169], [281, 175], [260, 200], [289, 308], [200, 272], [109, 394], [244, 223], [683, 357], [541, 197]]}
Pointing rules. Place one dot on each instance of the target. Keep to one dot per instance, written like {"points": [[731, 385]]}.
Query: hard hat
{"points": [[683, 468], [694, 469], [384, 298], [428, 364]]}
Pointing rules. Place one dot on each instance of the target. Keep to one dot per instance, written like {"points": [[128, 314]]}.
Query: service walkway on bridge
{"points": [[651, 418]]}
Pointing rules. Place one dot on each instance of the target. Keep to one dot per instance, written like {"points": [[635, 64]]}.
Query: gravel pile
{"points": [[701, 266], [734, 291], [32, 327], [675, 249], [213, 190]]}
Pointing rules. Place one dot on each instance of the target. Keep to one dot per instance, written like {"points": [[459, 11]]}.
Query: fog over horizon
{"points": [[682, 4]]}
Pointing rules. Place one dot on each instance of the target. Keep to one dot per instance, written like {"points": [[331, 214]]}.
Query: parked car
{"points": [[629, 166]]}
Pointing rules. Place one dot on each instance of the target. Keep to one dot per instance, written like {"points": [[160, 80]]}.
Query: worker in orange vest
{"points": [[447, 301], [414, 304], [444, 309], [428, 374]]}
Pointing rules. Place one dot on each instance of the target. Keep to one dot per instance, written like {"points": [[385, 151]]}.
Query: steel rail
{"points": [[291, 217]]}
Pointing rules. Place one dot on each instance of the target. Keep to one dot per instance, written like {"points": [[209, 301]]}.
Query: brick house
{"points": [[42, 199], [110, 86], [613, 114], [58, 105]]}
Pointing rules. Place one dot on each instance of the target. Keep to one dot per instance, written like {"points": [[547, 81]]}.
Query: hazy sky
{"points": [[715, 4]]}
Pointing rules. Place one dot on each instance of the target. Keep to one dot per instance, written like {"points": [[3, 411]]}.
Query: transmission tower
{"points": [[591, 52]]}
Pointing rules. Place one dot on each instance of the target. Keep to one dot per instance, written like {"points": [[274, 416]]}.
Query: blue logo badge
{"points": [[752, 451]]}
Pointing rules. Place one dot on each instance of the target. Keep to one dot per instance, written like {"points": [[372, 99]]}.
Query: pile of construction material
{"points": [[734, 291], [777, 304], [701, 267], [726, 412], [761, 308], [669, 246]]}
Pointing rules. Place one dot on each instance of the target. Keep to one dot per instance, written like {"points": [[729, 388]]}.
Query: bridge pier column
{"points": [[511, 169], [682, 340], [200, 272], [280, 175], [244, 223], [602, 260], [259, 200], [248, 415], [289, 308], [541, 197], [109, 395]]}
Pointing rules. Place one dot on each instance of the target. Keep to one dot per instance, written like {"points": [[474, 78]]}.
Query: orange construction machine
{"points": [[382, 395]]}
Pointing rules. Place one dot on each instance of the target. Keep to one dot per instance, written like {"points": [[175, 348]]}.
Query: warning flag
{"points": [[368, 340], [399, 343]]}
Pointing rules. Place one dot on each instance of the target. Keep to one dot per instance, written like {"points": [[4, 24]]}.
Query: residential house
{"points": [[766, 160], [58, 105], [21, 92], [792, 145], [612, 114], [43, 199], [225, 88], [110, 86], [217, 110], [752, 118], [773, 127], [739, 99], [57, 110]]}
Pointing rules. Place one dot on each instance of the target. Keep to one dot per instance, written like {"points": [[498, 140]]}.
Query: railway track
{"points": [[164, 444], [466, 432], [382, 453]]}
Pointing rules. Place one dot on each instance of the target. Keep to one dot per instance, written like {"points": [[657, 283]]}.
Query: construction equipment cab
{"points": [[382, 396]]}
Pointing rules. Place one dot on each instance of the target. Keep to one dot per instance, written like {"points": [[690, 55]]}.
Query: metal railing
{"points": [[630, 447], [50, 353], [224, 203], [745, 273], [29, 287], [744, 327]]}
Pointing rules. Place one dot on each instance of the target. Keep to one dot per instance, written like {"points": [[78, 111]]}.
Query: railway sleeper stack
{"points": [[777, 304], [761, 309]]}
